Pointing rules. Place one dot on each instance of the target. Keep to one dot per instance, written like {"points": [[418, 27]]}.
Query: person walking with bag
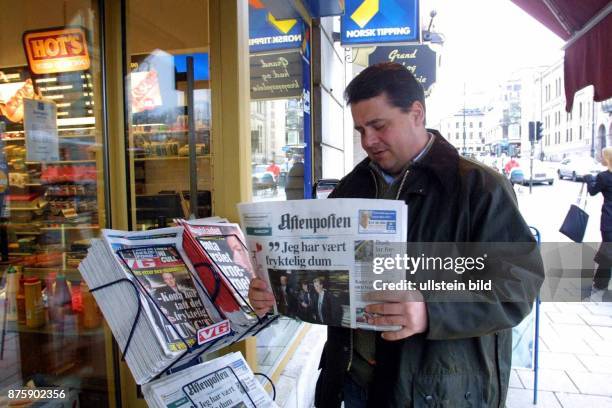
{"points": [[602, 183]]}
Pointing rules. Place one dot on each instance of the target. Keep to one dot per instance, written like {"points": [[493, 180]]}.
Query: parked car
{"points": [[516, 175], [261, 178], [542, 172], [576, 168]]}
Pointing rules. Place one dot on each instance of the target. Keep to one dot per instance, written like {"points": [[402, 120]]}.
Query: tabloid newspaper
{"points": [[217, 250], [316, 255], [176, 311], [226, 381]]}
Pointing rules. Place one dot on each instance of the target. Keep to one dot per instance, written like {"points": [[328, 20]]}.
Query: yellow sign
{"points": [[53, 51], [365, 12], [284, 26]]}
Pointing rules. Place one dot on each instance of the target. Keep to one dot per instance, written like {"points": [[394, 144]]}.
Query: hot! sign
{"points": [[53, 51]]}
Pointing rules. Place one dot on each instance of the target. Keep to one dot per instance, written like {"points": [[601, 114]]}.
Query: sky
{"points": [[485, 41]]}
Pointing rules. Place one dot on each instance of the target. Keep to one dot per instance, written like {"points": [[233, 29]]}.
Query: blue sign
{"points": [[418, 59], [268, 33], [368, 22]]}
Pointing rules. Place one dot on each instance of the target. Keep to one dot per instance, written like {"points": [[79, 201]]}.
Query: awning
{"points": [[586, 26]]}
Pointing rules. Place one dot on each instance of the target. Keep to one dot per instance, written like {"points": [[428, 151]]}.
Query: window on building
{"points": [[580, 110], [471, 124], [580, 133]]}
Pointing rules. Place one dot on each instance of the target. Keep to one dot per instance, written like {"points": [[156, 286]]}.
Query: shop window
{"points": [[277, 145], [167, 148], [51, 165]]}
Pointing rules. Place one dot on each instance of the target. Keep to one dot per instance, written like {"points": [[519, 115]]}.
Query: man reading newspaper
{"points": [[446, 353]]}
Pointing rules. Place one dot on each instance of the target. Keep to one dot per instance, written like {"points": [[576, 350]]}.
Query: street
{"points": [[545, 209]]}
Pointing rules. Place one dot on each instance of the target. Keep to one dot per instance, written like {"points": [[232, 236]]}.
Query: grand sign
{"points": [[53, 51], [276, 76], [419, 59]]}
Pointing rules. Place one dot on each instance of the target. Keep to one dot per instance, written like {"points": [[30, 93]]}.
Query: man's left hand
{"points": [[398, 308]]}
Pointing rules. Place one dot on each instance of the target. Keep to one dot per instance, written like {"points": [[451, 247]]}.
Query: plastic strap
{"points": [[271, 383], [138, 312]]}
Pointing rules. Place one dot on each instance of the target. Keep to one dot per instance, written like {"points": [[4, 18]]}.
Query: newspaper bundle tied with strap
{"points": [[317, 255]]}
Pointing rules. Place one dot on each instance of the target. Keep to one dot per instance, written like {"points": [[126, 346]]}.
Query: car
{"points": [[575, 168], [263, 179], [516, 176], [542, 172]]}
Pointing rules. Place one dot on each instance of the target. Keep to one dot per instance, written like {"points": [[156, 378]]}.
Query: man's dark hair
{"points": [[393, 79]]}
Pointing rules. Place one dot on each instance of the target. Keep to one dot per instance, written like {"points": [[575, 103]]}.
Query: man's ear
{"points": [[419, 111]]}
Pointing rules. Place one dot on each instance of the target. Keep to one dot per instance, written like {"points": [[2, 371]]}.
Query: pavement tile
{"points": [[577, 332], [565, 345], [515, 381], [549, 307], [593, 384], [583, 401], [548, 380], [561, 361], [560, 317], [600, 347], [518, 398], [574, 307], [604, 309], [604, 332], [598, 320], [596, 364]]}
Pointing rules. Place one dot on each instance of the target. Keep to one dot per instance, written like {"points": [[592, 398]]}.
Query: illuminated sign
{"points": [[266, 32], [370, 22], [53, 51]]}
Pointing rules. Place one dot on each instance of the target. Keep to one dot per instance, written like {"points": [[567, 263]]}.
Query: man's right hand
{"points": [[260, 297]]}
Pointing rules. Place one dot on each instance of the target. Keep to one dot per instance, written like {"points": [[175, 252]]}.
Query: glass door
{"points": [[51, 160], [168, 111]]}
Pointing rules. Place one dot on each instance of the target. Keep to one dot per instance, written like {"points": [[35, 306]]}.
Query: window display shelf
{"points": [[55, 329], [62, 162], [204, 156]]}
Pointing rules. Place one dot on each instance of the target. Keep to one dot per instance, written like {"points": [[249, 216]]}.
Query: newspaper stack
{"points": [[318, 258], [175, 310], [226, 381], [223, 264]]}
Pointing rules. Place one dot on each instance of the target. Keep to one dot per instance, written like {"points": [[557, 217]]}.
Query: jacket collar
{"points": [[442, 160]]}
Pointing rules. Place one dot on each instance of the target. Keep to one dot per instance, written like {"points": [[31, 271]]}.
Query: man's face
{"points": [[283, 280], [169, 280], [389, 136], [239, 253], [317, 286]]}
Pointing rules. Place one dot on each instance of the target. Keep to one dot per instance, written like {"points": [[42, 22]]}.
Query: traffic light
{"points": [[536, 131], [539, 130]]}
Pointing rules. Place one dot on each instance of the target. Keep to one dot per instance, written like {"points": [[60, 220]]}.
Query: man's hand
{"points": [[399, 308], [260, 296]]}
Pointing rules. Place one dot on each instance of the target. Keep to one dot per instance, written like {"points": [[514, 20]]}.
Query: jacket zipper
{"points": [[350, 361]]}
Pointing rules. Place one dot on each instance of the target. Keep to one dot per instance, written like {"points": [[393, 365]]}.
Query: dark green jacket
{"points": [[463, 360]]}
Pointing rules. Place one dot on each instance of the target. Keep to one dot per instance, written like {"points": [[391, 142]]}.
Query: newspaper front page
{"points": [[316, 255], [226, 381]]}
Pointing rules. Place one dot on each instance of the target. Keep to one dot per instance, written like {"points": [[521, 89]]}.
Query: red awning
{"points": [[586, 25]]}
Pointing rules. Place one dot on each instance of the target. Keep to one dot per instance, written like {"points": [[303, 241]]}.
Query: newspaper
{"points": [[316, 255], [226, 381], [175, 312]]}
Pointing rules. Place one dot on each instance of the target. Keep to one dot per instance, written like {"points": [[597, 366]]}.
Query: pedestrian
{"points": [[294, 188], [445, 353], [602, 183]]}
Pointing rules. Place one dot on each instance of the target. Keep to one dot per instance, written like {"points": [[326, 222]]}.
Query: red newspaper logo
{"points": [[206, 334]]}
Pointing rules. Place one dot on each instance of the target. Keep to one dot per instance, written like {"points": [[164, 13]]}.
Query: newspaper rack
{"points": [[192, 352]]}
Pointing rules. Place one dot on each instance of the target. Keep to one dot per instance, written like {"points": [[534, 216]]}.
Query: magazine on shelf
{"points": [[317, 258], [158, 310], [223, 264], [226, 381]]}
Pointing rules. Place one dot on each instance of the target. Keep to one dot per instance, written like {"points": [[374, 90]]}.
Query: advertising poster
{"points": [[40, 127]]}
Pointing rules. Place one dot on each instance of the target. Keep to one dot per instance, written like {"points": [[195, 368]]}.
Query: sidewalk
{"points": [[575, 338], [575, 359]]}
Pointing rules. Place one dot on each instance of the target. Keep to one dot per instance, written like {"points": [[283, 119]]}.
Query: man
{"points": [[286, 297], [240, 255], [446, 353], [326, 310], [171, 297]]}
